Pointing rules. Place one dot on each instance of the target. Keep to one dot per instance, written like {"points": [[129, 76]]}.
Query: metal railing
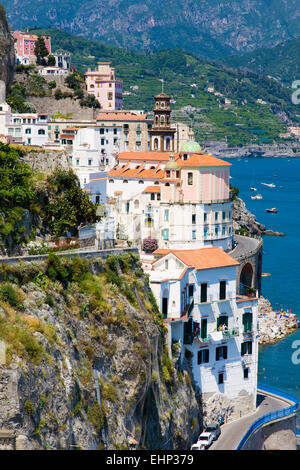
{"points": [[290, 410]]}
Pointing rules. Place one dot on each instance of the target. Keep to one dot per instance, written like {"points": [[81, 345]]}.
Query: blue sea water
{"points": [[281, 255]]}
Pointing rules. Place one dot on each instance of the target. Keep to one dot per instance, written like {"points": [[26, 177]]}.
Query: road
{"points": [[244, 246], [232, 433]]}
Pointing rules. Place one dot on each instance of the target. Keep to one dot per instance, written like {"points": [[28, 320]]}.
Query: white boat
{"points": [[258, 196], [273, 210], [253, 189], [270, 185]]}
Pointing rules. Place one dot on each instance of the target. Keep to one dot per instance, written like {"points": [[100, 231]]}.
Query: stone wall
{"points": [[218, 404], [45, 161]]}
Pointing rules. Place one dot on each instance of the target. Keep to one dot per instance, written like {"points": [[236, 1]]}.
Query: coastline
{"points": [[222, 150], [274, 325]]}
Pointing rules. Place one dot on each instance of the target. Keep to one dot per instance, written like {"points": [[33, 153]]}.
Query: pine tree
{"points": [[40, 50]]}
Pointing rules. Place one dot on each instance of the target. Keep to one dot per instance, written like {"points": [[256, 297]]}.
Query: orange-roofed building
{"points": [[206, 321]]}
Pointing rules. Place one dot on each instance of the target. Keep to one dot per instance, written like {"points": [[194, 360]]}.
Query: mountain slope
{"points": [[281, 62], [208, 28], [225, 104]]}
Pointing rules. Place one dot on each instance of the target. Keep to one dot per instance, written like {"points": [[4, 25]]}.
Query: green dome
{"points": [[171, 165], [191, 147]]}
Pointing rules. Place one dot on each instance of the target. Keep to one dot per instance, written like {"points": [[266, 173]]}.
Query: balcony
{"points": [[247, 360]]}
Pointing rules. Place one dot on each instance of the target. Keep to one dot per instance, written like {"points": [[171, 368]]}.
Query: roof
{"points": [[136, 173], [115, 116], [152, 189], [192, 147], [200, 160], [203, 258]]}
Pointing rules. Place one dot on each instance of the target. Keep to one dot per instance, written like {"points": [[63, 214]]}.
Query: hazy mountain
{"points": [[209, 28], [282, 61]]}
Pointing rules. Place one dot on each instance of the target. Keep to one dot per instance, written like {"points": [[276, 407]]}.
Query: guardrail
{"points": [[290, 410]]}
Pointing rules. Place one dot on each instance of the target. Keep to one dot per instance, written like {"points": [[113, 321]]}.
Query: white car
{"points": [[198, 446], [206, 438]]}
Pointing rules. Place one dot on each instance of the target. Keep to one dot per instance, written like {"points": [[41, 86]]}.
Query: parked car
{"points": [[213, 428], [198, 446], [206, 438]]}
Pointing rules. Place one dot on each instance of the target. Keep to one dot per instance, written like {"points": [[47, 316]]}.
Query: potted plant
{"points": [[250, 291]]}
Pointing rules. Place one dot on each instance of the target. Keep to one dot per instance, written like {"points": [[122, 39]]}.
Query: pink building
{"points": [[25, 44], [105, 87]]}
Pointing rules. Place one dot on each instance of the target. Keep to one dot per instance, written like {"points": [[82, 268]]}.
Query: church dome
{"points": [[190, 147]]}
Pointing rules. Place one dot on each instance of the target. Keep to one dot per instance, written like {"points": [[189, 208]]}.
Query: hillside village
{"points": [[159, 193]]}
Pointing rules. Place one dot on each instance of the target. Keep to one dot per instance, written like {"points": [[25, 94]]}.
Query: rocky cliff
{"points": [[86, 362], [7, 53]]}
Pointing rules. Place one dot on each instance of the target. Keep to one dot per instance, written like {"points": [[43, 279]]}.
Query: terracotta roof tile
{"points": [[203, 258], [152, 189], [202, 160]]}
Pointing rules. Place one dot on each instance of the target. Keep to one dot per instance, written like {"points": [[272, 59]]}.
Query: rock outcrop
{"points": [[86, 362], [7, 52], [246, 221], [274, 325]]}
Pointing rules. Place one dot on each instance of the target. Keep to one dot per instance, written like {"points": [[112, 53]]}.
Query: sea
{"points": [[278, 363]]}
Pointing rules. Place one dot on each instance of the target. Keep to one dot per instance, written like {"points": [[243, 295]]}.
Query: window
{"points": [[193, 219], [111, 181], [102, 141], [216, 231], [166, 264], [27, 131], [41, 132], [168, 173], [193, 234], [190, 179], [102, 131], [158, 197], [203, 292], [222, 290], [246, 348], [127, 207], [246, 373], [141, 182], [247, 322], [125, 181], [222, 320], [220, 378], [152, 196], [90, 162], [204, 328], [166, 215], [223, 215], [191, 290], [223, 230], [29, 141], [165, 234], [77, 162], [221, 353], [216, 216], [115, 131], [97, 199], [203, 356]]}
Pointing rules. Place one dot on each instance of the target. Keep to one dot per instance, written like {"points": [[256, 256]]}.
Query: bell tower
{"points": [[161, 134]]}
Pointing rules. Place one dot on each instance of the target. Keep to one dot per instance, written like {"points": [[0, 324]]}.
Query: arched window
{"points": [[41, 132], [152, 167], [141, 182], [155, 144], [111, 181], [156, 182], [156, 119], [167, 184], [125, 181], [167, 143], [162, 119]]}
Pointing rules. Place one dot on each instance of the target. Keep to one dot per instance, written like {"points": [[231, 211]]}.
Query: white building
{"points": [[216, 329], [28, 129], [94, 150], [195, 202]]}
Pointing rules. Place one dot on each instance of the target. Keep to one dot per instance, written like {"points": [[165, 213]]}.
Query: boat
{"points": [[273, 210], [270, 185], [253, 189], [258, 196]]}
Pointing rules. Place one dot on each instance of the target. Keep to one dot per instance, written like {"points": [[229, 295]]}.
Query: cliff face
{"points": [[7, 53], [86, 363]]}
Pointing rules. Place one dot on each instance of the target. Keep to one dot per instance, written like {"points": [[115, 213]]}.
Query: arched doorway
{"points": [[246, 278]]}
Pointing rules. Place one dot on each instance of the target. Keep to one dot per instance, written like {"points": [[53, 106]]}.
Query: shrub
{"points": [[29, 407], [9, 294], [49, 300]]}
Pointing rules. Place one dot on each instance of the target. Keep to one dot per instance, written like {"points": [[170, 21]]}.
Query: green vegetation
{"points": [[187, 79], [40, 51], [59, 202]]}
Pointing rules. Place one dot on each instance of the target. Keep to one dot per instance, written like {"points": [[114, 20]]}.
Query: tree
{"points": [[69, 207], [51, 60], [40, 51]]}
